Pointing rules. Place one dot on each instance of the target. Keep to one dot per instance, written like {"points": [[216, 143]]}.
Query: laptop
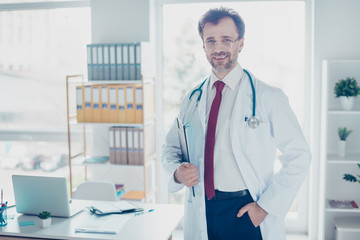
{"points": [[34, 194]]}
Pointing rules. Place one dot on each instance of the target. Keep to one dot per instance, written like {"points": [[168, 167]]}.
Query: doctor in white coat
{"points": [[242, 157]]}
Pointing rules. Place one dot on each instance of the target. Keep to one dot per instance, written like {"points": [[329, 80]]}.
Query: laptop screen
{"points": [[34, 194]]}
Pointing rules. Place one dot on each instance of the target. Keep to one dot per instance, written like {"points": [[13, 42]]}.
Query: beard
{"points": [[223, 66]]}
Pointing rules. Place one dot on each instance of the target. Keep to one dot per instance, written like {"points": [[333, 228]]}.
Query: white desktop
{"points": [[156, 223]]}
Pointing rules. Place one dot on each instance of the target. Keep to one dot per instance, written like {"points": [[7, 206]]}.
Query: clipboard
{"points": [[98, 212], [183, 144], [120, 207]]}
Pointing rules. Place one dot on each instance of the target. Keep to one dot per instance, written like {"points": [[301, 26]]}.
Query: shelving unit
{"points": [[332, 167], [141, 178], [149, 176]]}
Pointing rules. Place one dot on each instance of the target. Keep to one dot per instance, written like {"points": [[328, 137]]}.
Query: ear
{"points": [[241, 44]]}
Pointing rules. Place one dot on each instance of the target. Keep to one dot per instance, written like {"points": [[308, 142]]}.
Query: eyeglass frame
{"points": [[227, 42]]}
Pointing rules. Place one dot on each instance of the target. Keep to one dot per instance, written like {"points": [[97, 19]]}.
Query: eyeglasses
{"points": [[225, 42]]}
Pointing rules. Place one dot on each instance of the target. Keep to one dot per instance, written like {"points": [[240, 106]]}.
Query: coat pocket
{"points": [[258, 142]]}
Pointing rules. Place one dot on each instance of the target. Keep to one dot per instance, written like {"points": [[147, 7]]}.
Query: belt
{"points": [[219, 195]]}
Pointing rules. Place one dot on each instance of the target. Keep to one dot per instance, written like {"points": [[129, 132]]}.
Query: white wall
{"points": [[114, 21], [336, 36]]}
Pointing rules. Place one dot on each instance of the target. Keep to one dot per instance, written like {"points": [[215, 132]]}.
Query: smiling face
{"points": [[221, 45]]}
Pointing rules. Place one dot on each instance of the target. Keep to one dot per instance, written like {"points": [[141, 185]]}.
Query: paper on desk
{"points": [[110, 224]]}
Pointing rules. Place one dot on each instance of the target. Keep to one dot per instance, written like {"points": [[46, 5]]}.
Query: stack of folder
{"points": [[121, 61], [126, 145], [110, 103]]}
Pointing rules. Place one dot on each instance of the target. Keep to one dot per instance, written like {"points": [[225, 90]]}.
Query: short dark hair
{"points": [[216, 14]]}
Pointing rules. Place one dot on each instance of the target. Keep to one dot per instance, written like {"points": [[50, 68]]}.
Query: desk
{"points": [[156, 225]]}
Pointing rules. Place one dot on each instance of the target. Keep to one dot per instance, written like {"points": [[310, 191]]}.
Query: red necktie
{"points": [[210, 141]]}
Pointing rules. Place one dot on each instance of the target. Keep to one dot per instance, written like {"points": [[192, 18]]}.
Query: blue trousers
{"points": [[223, 223]]}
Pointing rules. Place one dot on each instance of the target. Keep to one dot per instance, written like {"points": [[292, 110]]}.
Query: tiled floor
{"points": [[178, 235]]}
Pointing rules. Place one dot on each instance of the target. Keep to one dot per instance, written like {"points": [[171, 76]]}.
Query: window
{"points": [[274, 51], [38, 49]]}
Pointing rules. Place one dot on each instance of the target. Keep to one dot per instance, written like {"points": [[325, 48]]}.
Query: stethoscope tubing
{"points": [[252, 89], [253, 92]]}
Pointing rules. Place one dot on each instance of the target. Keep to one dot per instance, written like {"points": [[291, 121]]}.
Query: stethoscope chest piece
{"points": [[253, 122]]}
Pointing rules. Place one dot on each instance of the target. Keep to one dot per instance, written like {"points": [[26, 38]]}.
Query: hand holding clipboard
{"points": [[183, 144]]}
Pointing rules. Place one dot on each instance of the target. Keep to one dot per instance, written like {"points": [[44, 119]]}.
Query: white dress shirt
{"points": [[227, 175]]}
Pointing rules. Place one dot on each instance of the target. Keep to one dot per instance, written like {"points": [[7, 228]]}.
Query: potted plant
{"points": [[346, 90], [351, 178], [343, 135], [44, 219]]}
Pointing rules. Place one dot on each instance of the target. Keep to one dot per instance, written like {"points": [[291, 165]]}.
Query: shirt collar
{"points": [[231, 79]]}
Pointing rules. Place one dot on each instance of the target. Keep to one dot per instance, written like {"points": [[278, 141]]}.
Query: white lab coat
{"points": [[254, 150]]}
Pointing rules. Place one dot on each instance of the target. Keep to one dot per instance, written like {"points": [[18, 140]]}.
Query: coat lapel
{"points": [[243, 102], [202, 104]]}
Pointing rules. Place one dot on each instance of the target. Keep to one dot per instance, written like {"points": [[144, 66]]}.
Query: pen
{"points": [[139, 213], [86, 230], [4, 204]]}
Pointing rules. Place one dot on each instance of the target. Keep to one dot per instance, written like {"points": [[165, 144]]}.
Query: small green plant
{"points": [[346, 87], [44, 215], [351, 178], [344, 133]]}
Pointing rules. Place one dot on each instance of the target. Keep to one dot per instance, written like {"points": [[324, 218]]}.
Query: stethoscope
{"points": [[253, 122]]}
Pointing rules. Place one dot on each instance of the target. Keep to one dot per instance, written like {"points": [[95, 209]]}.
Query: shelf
{"points": [[134, 195], [342, 210], [146, 80], [113, 165], [341, 112], [342, 61], [148, 120], [138, 125], [349, 159], [78, 160], [86, 82]]}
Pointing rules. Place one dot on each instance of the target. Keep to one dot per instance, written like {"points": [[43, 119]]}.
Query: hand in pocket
{"points": [[256, 214]]}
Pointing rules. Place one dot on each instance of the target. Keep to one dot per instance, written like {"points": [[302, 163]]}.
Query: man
{"points": [[232, 141]]}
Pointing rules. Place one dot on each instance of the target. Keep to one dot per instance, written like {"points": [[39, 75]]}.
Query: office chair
{"points": [[96, 190]]}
